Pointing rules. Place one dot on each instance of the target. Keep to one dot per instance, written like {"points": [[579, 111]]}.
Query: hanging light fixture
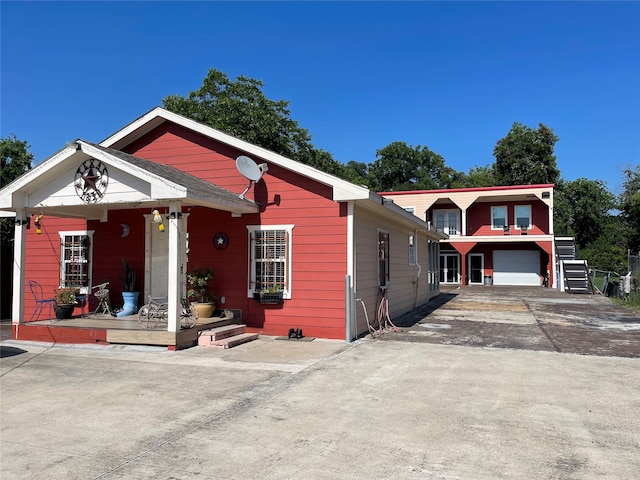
{"points": [[157, 218], [38, 223]]}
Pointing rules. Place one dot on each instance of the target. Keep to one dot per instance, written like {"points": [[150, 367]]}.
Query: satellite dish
{"points": [[250, 170]]}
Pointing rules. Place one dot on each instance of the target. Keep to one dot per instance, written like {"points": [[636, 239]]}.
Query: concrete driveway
{"points": [[530, 318], [405, 405]]}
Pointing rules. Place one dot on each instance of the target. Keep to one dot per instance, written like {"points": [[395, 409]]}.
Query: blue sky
{"points": [[451, 76]]}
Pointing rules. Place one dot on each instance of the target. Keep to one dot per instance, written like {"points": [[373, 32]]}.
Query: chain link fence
{"points": [[634, 269], [613, 284]]}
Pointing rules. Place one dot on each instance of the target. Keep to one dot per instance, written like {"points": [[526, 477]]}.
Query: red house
{"points": [[497, 235], [168, 194]]}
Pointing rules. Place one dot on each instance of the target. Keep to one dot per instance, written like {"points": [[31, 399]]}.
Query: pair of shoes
{"points": [[293, 333]]}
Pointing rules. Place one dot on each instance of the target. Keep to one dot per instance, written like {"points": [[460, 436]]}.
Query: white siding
{"points": [[402, 291]]}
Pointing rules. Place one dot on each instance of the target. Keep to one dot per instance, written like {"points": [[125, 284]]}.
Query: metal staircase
{"points": [[574, 274]]}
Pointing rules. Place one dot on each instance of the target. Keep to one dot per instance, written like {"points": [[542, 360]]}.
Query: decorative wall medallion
{"points": [[91, 180], [220, 240]]}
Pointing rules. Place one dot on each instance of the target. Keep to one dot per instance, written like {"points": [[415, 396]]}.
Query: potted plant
{"points": [[129, 292], [66, 300], [272, 294], [199, 292]]}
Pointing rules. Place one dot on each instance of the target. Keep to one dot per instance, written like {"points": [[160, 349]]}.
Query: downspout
{"points": [[350, 278]]}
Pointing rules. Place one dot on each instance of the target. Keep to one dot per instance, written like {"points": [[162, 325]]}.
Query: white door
{"points": [[516, 267], [450, 268], [157, 257], [159, 262], [476, 268]]}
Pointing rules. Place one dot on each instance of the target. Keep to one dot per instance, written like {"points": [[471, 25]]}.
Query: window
{"points": [[498, 217], [270, 256], [383, 258], [413, 250], [447, 221], [523, 216], [433, 250], [76, 253]]}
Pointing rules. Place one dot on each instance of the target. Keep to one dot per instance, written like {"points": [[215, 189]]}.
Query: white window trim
{"points": [[286, 294], [413, 249], [515, 216], [86, 233], [506, 217], [447, 227]]}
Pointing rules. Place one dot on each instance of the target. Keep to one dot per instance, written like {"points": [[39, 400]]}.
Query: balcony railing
{"points": [[449, 230]]}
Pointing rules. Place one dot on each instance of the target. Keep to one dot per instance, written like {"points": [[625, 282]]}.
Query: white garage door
{"points": [[516, 267]]}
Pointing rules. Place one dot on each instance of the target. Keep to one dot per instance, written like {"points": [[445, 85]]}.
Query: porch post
{"points": [[19, 254], [174, 266], [464, 222]]}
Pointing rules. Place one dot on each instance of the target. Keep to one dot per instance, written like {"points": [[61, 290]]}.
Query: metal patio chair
{"points": [[41, 302], [102, 294]]}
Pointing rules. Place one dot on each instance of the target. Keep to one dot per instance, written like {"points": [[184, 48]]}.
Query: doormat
{"points": [[303, 339]]}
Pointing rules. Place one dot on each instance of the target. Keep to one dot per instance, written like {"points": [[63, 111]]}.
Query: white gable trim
{"points": [[58, 200], [160, 187], [342, 190], [33, 174]]}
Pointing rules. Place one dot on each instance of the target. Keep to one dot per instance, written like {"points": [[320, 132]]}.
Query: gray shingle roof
{"points": [[190, 182]]}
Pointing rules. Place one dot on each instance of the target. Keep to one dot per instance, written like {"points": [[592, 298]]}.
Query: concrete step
{"points": [[235, 340], [226, 336], [220, 333]]}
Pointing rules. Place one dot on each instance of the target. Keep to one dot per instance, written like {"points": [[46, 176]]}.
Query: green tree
{"points": [[357, 172], [525, 156], [401, 167], [630, 207], [607, 252], [582, 208], [477, 177], [241, 109], [15, 159]]}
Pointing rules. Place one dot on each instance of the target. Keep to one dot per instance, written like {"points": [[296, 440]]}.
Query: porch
{"points": [[106, 329]]}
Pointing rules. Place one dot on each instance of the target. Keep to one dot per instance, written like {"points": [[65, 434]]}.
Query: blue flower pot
{"points": [[130, 304]]}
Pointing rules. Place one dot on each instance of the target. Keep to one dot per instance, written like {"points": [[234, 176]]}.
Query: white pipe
{"points": [[415, 240]]}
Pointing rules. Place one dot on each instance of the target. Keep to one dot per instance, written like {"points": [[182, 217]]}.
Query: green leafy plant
{"points": [[128, 280], [66, 296], [199, 290], [271, 289]]}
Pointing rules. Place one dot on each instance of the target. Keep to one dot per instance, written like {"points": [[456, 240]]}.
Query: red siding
{"points": [[479, 218], [318, 244], [42, 262], [109, 248]]}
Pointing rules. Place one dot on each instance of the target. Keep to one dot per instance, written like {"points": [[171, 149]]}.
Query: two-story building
{"points": [[497, 235]]}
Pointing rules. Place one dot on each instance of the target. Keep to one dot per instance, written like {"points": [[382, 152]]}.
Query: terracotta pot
{"points": [[205, 310]]}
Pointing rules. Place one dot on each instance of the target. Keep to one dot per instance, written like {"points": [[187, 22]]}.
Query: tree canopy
{"points": [[15, 159], [401, 167], [630, 206], [241, 109], [582, 209], [525, 156]]}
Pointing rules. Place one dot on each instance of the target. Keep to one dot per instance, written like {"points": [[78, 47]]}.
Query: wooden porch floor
{"points": [[105, 329]]}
